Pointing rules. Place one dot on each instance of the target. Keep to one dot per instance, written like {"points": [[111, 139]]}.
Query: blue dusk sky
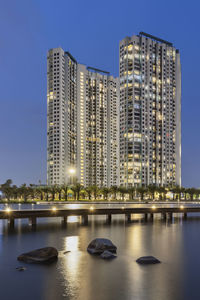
{"points": [[91, 31]]}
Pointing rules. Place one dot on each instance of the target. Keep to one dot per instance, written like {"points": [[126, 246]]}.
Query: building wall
{"points": [[61, 115], [70, 116], [97, 128], [178, 119], [150, 120], [113, 132], [124, 131], [81, 122], [56, 116]]}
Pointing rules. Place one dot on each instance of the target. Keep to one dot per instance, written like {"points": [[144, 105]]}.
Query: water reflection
{"points": [[73, 219], [70, 268], [71, 243], [78, 275]]}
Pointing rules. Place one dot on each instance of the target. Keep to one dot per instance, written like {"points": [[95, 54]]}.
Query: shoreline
{"points": [[39, 202]]}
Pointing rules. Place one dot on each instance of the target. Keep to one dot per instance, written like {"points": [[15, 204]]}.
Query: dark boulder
{"points": [[43, 255], [98, 246], [65, 252], [107, 255], [20, 269], [147, 260]]}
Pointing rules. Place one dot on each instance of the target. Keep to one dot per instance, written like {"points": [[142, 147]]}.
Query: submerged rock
{"points": [[107, 255], [98, 246], [43, 255], [147, 260], [20, 268], [65, 252]]}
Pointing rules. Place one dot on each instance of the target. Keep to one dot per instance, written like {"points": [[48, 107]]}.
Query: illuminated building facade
{"points": [[97, 127], [150, 112], [82, 122], [61, 115], [116, 132]]}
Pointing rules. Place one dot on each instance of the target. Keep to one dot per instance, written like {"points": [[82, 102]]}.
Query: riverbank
{"points": [[99, 201]]}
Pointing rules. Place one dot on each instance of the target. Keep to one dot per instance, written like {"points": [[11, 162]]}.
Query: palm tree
{"points": [[173, 190], [177, 190], [114, 190], [83, 193], [25, 191], [152, 189], [32, 191], [162, 191], [197, 193], [95, 191], [59, 191], [73, 189], [76, 188], [46, 191], [165, 191], [142, 191], [15, 192], [184, 191], [7, 189], [53, 191], [191, 192], [131, 191], [123, 191], [105, 191], [88, 191], [65, 188], [40, 192]]}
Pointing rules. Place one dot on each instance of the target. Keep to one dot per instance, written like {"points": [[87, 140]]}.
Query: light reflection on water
{"points": [[77, 275], [72, 219], [71, 243]]}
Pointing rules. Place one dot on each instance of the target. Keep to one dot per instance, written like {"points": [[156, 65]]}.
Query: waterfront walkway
{"points": [[147, 212]]}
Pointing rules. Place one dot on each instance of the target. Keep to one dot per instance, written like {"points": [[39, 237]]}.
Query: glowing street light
{"points": [[54, 208], [181, 207], [153, 207], [72, 171], [91, 208], [8, 209]]}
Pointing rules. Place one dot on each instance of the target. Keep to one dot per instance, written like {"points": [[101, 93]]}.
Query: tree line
{"points": [[76, 191]]}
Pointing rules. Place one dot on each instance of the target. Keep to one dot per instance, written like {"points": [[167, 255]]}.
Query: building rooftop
{"points": [[155, 38]]}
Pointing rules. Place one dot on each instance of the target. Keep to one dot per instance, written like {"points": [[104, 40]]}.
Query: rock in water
{"points": [[43, 255], [107, 255], [20, 268], [147, 260], [65, 252], [98, 246]]}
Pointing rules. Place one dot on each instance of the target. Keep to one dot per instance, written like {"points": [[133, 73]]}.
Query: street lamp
{"points": [[8, 209], [72, 172]]}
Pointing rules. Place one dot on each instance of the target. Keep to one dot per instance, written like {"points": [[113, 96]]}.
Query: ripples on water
{"points": [[77, 275]]}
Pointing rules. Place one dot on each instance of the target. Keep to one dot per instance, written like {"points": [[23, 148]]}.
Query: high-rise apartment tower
{"points": [[116, 132], [150, 112], [97, 134], [82, 122]]}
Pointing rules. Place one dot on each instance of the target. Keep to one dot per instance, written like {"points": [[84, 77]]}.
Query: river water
{"points": [[78, 275]]}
